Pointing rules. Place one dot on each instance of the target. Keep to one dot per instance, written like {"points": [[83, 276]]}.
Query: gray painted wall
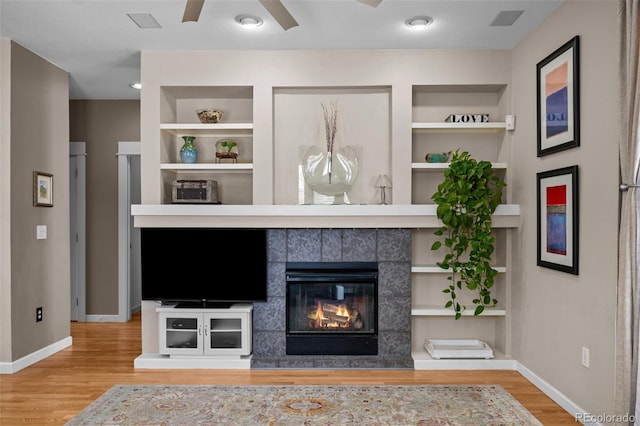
{"points": [[555, 313], [39, 123], [102, 124]]}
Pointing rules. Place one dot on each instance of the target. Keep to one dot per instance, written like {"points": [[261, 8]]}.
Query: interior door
{"points": [[77, 229]]}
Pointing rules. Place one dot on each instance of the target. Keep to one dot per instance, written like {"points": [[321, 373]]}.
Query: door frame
{"points": [[79, 151], [125, 150]]}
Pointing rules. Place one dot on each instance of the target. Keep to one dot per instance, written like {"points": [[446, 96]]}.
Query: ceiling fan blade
{"points": [[192, 10], [372, 3], [279, 13]]}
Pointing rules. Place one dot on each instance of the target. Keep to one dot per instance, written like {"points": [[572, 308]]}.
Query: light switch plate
{"points": [[41, 232]]}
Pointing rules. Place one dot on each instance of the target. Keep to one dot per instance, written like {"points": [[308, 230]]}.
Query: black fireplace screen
{"points": [[332, 308]]}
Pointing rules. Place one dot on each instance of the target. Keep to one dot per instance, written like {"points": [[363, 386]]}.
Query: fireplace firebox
{"points": [[332, 308]]}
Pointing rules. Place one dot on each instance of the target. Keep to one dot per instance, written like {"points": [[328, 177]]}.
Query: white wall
{"points": [[556, 314]]}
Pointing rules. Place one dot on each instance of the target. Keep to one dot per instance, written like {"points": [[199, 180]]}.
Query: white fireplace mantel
{"points": [[303, 216]]}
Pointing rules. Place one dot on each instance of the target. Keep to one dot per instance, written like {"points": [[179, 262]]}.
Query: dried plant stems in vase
{"points": [[330, 129]]}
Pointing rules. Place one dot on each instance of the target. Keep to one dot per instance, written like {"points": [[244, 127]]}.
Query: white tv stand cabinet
{"points": [[202, 338]]}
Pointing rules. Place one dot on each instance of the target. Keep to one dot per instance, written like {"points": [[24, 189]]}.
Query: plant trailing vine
{"points": [[465, 201]]}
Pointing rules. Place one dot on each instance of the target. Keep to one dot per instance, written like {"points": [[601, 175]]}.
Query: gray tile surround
{"points": [[391, 248]]}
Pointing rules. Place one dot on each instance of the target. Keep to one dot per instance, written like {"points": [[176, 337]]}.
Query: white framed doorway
{"points": [[129, 278]]}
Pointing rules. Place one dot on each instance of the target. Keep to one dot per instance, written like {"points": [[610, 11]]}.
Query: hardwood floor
{"points": [[54, 390]]}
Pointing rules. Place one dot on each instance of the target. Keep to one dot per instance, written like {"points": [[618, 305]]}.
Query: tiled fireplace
{"points": [[389, 249]]}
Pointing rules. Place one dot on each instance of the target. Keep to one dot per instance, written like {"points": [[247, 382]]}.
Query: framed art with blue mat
{"points": [[558, 99], [557, 199]]}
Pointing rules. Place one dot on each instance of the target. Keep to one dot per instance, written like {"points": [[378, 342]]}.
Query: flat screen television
{"points": [[204, 267]]}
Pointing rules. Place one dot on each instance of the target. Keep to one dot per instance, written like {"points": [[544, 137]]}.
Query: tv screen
{"points": [[204, 266]]}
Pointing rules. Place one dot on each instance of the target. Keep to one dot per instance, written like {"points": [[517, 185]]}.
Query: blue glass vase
{"points": [[188, 152]]}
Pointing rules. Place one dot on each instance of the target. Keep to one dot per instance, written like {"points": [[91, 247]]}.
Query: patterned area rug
{"points": [[425, 405]]}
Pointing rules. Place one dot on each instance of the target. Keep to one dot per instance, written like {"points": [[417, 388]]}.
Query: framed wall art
{"points": [[557, 199], [42, 189], [558, 99]]}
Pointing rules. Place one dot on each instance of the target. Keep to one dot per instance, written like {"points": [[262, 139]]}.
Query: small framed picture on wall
{"points": [[558, 99], [42, 189], [557, 200]]}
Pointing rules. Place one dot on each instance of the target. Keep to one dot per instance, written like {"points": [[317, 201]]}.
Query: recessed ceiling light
{"points": [[136, 86], [419, 22], [248, 21]]}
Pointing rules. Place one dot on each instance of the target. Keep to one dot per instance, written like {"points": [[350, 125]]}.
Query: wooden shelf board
{"points": [[492, 127], [444, 166], [306, 216], [439, 311], [422, 361], [208, 167], [203, 130], [435, 269]]}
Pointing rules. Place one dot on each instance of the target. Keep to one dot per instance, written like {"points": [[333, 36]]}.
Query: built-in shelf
{"points": [[492, 127], [444, 166], [435, 269], [439, 311], [408, 216], [209, 167], [201, 130]]}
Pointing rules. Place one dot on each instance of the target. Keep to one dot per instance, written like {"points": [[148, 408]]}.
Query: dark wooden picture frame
{"points": [[557, 201], [42, 189], [558, 99]]}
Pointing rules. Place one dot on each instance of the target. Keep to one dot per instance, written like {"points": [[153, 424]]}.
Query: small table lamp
{"points": [[383, 182]]}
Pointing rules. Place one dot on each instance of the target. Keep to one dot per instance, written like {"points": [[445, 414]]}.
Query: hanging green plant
{"points": [[466, 199]]}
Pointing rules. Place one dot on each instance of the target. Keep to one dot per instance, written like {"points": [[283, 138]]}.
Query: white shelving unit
{"points": [[484, 141], [179, 103], [406, 121]]}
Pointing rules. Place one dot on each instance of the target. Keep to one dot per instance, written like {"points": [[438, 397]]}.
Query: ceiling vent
{"points": [[506, 18], [144, 20]]}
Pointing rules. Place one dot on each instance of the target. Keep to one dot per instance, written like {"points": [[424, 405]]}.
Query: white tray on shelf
{"points": [[458, 348]]}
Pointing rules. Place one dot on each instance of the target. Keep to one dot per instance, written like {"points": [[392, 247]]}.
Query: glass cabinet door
{"points": [[181, 334]]}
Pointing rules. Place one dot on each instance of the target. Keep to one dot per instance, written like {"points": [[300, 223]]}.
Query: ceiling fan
{"points": [[274, 7]]}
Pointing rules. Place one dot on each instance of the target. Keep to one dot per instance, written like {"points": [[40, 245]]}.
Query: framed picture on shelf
{"points": [[558, 99], [557, 200], [42, 189]]}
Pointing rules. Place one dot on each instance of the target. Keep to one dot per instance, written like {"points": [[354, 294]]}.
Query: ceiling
{"points": [[99, 45]]}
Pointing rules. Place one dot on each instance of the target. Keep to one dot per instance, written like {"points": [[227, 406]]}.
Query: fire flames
{"points": [[331, 315]]}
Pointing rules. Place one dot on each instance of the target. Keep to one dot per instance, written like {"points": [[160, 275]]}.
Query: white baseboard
{"points": [[553, 393], [104, 318], [32, 358]]}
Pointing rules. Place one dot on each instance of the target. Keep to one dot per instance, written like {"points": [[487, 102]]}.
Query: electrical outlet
{"points": [[39, 314], [585, 357]]}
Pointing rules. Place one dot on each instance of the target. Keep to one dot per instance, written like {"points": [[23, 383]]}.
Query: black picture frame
{"points": [[558, 219], [558, 99]]}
